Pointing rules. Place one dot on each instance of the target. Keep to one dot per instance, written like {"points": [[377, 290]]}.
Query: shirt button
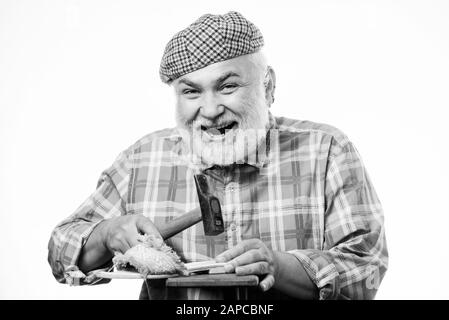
{"points": [[323, 295], [233, 226]]}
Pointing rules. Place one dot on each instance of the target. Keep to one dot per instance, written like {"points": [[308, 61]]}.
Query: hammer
{"points": [[209, 212]]}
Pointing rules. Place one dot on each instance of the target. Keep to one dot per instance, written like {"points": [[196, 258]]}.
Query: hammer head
{"points": [[210, 207]]}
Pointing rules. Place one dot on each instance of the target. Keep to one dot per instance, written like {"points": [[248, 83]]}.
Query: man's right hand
{"points": [[117, 234], [121, 233]]}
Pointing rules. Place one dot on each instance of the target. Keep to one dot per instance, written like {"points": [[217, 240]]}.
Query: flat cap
{"points": [[210, 39]]}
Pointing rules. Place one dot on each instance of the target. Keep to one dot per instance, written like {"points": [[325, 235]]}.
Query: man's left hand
{"points": [[251, 256]]}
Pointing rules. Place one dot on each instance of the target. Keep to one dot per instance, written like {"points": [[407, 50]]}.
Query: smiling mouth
{"points": [[219, 130]]}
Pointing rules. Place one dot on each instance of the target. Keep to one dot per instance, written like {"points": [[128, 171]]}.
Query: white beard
{"points": [[236, 146], [245, 144]]}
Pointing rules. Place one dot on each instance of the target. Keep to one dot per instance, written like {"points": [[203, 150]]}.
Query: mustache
{"points": [[198, 123]]}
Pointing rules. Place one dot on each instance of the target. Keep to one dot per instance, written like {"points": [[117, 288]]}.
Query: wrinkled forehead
{"points": [[242, 67]]}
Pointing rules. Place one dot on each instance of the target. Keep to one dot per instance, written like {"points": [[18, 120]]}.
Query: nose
{"points": [[211, 107]]}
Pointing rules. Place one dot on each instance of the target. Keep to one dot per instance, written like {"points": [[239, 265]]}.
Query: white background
{"points": [[79, 83]]}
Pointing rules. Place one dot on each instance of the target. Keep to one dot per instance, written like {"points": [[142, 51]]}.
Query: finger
{"points": [[248, 257], [259, 268], [145, 226], [120, 246], [230, 254], [236, 251], [267, 282], [131, 240]]}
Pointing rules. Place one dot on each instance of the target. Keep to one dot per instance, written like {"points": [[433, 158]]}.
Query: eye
{"points": [[190, 93], [229, 88]]}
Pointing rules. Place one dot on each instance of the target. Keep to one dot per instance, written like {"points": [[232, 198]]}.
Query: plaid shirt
{"points": [[311, 197]]}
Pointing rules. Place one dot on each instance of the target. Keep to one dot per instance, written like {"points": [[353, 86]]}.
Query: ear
{"points": [[270, 85]]}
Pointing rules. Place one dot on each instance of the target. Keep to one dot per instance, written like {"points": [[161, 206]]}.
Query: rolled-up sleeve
{"points": [[70, 235], [354, 256]]}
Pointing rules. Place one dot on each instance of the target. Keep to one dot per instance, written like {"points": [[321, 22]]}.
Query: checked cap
{"points": [[210, 39]]}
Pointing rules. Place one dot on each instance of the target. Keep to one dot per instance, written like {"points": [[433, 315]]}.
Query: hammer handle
{"points": [[180, 223]]}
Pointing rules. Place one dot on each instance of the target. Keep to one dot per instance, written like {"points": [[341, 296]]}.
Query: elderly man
{"points": [[298, 207]]}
